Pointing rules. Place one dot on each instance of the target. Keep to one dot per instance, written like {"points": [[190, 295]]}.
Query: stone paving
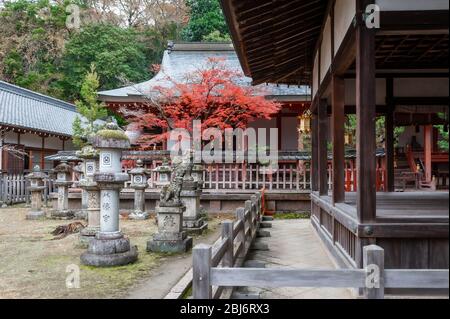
{"points": [[293, 244]]}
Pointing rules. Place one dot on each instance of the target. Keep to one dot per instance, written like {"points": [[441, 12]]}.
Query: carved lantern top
{"points": [[139, 169], [88, 152], [111, 137], [36, 173]]}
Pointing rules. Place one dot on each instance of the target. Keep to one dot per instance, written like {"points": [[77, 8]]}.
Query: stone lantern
{"points": [[36, 179], [139, 182], [90, 165], [63, 180], [165, 174], [197, 174], [110, 247], [171, 237]]}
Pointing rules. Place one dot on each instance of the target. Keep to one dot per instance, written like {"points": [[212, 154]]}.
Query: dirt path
{"points": [[164, 277]]}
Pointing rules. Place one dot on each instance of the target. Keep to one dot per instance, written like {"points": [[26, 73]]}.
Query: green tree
{"points": [[32, 36], [89, 107], [118, 54], [443, 133], [206, 23], [380, 132]]}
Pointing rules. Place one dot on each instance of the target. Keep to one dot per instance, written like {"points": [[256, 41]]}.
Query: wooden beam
{"points": [[366, 116], [338, 120], [322, 159], [389, 131], [428, 149], [314, 152], [43, 153]]}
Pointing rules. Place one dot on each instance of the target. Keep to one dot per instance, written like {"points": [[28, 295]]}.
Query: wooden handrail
{"points": [[232, 247], [372, 278]]}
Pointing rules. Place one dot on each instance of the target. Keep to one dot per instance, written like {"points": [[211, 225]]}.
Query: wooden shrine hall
{"points": [[398, 70]]}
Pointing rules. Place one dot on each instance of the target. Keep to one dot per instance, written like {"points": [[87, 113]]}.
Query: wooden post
{"points": [[227, 233], [373, 257], [389, 140], [428, 145], [248, 208], [314, 153], [240, 215], [338, 120], [201, 272], [322, 159], [366, 116]]}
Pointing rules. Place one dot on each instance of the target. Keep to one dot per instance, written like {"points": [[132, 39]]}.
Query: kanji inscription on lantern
{"points": [[106, 218], [138, 179], [90, 168], [169, 221], [106, 159]]}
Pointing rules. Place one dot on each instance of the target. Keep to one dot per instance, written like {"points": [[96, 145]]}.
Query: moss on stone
{"points": [[302, 215], [113, 134]]}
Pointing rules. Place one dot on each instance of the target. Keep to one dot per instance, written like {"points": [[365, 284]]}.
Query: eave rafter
{"points": [[277, 37]]}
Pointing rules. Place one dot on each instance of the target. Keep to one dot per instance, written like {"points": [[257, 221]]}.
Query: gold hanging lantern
{"points": [[305, 122], [348, 138]]}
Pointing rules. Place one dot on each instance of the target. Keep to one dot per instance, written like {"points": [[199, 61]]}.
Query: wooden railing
{"points": [[14, 189], [288, 176], [373, 278], [229, 251]]}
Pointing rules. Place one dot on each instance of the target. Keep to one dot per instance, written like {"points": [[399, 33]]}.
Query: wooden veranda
{"points": [[398, 70]]}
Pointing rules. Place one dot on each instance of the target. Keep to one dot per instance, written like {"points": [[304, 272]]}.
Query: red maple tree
{"points": [[212, 95]]}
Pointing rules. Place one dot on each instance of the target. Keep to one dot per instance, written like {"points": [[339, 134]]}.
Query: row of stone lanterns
{"points": [[101, 182]]}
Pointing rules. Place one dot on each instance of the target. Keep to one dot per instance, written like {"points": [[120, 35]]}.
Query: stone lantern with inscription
{"points": [[110, 247], [139, 182], [36, 178], [164, 174], [63, 181], [89, 186]]}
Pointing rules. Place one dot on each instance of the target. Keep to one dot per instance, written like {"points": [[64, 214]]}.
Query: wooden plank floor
{"points": [[409, 204]]}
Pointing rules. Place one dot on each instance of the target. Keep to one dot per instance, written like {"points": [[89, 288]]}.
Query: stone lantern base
{"points": [[193, 222], [195, 226], [37, 215], [137, 215], [87, 235], [109, 250], [63, 215], [170, 238]]}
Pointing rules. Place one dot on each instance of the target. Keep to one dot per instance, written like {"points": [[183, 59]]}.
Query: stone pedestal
{"points": [[36, 179], [193, 222], [62, 182], [170, 237], [91, 193], [93, 213], [139, 176], [110, 247]]}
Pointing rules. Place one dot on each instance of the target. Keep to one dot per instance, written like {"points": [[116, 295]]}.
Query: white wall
{"points": [[315, 78], [344, 12], [350, 91], [325, 50]]}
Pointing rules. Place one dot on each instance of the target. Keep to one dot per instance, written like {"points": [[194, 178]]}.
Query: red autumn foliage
{"points": [[210, 95]]}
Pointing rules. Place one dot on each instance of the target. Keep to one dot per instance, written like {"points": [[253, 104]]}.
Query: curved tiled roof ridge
{"points": [[35, 95], [26, 109]]}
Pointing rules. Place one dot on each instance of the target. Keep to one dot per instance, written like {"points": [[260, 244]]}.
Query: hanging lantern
{"points": [[305, 122], [348, 138]]}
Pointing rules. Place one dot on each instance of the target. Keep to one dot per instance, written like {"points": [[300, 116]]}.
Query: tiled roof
{"points": [[181, 59], [26, 109]]}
